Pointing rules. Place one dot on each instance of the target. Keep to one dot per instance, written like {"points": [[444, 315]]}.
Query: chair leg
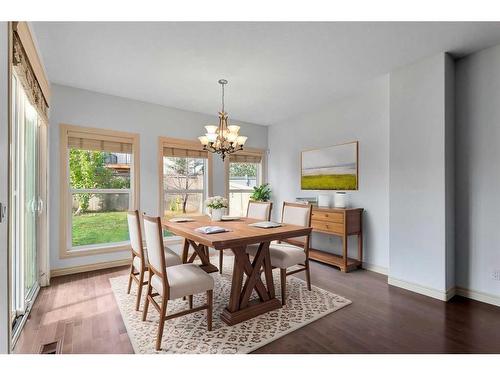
{"points": [[130, 279], [283, 285], [308, 275], [146, 302], [190, 301], [139, 291], [161, 324], [210, 295], [221, 260]]}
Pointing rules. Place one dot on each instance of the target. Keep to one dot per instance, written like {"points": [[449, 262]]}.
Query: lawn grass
{"points": [[329, 182], [99, 228]]}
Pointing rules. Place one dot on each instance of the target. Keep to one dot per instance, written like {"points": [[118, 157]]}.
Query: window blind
{"points": [[241, 158], [184, 153], [89, 143]]}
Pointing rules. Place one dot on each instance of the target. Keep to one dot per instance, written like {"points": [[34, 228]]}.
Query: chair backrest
{"points": [[297, 214], [134, 230], [259, 210], [154, 244]]}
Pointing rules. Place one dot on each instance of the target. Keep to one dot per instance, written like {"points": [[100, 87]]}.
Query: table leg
{"points": [[240, 306], [344, 251], [202, 252]]}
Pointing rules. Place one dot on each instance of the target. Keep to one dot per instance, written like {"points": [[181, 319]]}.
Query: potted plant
{"points": [[261, 193], [216, 205]]}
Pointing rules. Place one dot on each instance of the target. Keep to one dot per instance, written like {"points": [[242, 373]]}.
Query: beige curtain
{"points": [[26, 65]]}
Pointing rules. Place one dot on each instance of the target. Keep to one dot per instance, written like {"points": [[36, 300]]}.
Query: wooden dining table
{"points": [[241, 307]]}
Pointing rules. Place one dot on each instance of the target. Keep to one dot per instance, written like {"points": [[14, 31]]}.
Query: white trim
{"points": [[420, 289], [89, 267], [478, 296], [374, 268]]}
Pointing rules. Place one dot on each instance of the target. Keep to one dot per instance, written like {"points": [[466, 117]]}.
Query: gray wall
{"points": [[478, 172], [80, 107], [4, 160], [364, 116], [418, 175]]}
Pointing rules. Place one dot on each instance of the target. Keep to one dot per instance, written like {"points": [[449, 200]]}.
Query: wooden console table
{"points": [[342, 223]]}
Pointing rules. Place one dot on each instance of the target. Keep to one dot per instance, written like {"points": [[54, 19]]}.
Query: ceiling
{"points": [[275, 70]]}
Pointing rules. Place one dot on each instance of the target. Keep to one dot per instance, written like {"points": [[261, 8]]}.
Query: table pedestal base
{"points": [[253, 310]]}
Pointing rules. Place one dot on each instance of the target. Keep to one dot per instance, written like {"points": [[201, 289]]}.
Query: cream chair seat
{"points": [[184, 280], [283, 255]]}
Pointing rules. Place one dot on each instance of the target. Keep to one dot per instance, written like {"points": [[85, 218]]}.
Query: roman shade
{"points": [[88, 142], [245, 158], [180, 152]]}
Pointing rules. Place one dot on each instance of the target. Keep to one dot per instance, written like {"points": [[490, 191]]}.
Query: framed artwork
{"points": [[330, 168]]}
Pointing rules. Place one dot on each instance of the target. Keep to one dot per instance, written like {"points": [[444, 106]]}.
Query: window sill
{"points": [[95, 250]]}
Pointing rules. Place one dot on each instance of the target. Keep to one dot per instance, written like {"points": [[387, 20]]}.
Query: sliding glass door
{"points": [[26, 205]]}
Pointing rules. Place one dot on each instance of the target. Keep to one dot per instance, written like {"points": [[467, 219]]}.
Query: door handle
{"points": [[3, 212]]}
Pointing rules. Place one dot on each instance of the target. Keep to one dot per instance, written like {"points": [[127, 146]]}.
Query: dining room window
{"points": [[185, 178], [101, 173], [243, 174]]}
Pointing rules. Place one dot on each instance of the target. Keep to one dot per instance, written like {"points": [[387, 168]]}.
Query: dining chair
{"points": [[139, 265], [292, 251], [255, 210], [170, 283]]}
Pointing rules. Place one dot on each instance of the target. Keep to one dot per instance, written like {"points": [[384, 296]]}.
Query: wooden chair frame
{"points": [[221, 252], [137, 276], [306, 245], [162, 307]]}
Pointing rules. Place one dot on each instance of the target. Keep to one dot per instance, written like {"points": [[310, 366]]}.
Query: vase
{"points": [[340, 199], [216, 214]]}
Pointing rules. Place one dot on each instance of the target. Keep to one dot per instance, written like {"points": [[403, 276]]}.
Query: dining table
{"points": [[242, 306]]}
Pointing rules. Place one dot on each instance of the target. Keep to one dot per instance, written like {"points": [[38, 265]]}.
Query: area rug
{"points": [[189, 335]]}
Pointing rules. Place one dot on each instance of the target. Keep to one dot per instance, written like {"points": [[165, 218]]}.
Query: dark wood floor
{"points": [[382, 319]]}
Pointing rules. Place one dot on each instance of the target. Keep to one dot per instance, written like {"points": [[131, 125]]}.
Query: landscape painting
{"points": [[330, 168]]}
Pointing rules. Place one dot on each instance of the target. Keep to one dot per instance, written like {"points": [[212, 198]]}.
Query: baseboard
{"points": [[89, 267], [375, 268], [478, 296], [426, 291]]}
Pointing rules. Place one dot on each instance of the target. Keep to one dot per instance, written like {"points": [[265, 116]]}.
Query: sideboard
{"points": [[342, 223]]}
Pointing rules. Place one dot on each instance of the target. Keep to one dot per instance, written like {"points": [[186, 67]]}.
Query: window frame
{"points": [[65, 225], [262, 172], [189, 145]]}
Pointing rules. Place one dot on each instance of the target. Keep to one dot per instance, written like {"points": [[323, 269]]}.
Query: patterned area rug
{"points": [[189, 335]]}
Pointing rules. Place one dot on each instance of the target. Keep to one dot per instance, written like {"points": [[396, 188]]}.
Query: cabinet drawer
{"points": [[334, 217], [327, 226]]}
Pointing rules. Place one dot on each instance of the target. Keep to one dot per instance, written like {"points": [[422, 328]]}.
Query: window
{"points": [[185, 178], [101, 173], [244, 172]]}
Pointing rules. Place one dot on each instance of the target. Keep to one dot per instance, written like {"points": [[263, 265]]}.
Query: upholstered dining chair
{"points": [[255, 210], [170, 283], [139, 265], [292, 251]]}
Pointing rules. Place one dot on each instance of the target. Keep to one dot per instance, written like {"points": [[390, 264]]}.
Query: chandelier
{"points": [[223, 139]]}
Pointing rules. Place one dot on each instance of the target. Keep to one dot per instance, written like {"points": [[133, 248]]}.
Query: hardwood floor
{"points": [[382, 319]]}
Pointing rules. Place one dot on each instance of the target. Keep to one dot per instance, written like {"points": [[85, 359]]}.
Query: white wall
{"points": [[477, 171], [86, 108], [364, 116], [4, 163], [418, 175]]}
